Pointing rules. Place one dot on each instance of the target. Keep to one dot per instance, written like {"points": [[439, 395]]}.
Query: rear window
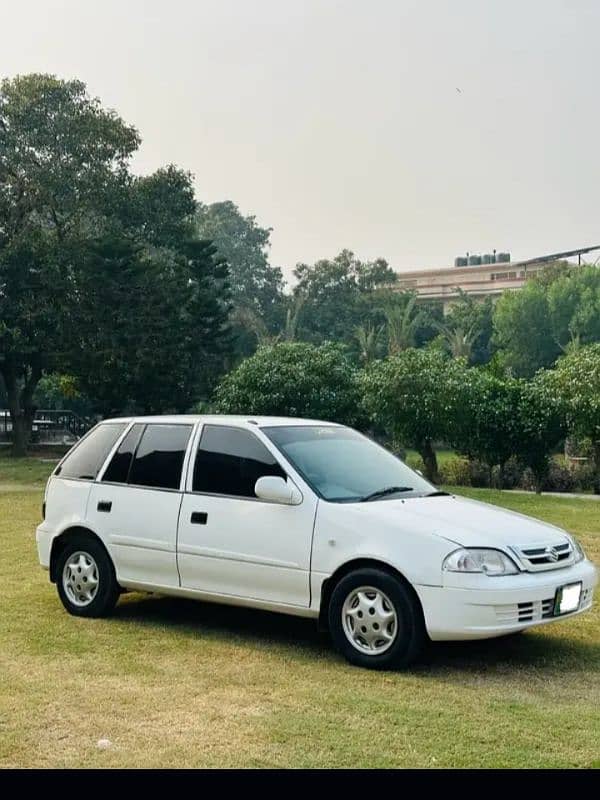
{"points": [[85, 461]]}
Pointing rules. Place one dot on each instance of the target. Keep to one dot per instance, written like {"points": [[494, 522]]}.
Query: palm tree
{"points": [[402, 323], [292, 317], [368, 337], [247, 318], [459, 341]]}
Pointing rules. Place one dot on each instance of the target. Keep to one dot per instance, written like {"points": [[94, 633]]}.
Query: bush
{"points": [[479, 474], [512, 473], [456, 472], [293, 379], [560, 478], [583, 476]]}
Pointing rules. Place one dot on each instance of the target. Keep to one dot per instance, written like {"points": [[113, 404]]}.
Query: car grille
{"points": [[544, 557], [536, 610]]}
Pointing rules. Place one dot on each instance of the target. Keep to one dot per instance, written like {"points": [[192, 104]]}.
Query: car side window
{"points": [[159, 456], [120, 464], [229, 461], [87, 457]]}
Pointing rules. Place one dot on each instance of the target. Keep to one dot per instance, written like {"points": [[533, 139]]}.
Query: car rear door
{"points": [[229, 541], [137, 500]]}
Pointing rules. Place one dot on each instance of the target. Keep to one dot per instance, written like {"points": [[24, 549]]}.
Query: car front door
{"points": [[232, 543], [136, 503]]}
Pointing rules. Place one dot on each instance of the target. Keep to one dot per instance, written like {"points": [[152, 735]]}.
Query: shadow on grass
{"points": [[541, 650]]}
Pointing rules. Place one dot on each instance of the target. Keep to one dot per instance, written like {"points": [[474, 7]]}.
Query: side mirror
{"points": [[277, 490]]}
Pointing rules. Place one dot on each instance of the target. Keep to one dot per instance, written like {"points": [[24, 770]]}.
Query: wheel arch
{"points": [[60, 542], [346, 568]]}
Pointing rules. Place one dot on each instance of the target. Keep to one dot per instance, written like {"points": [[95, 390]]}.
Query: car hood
{"points": [[469, 523]]}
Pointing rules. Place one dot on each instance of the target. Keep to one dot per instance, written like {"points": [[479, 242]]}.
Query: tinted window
{"points": [[90, 454], [230, 461], [118, 469], [159, 458]]}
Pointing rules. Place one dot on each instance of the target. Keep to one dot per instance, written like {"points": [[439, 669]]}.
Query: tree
{"points": [[576, 380], [467, 328], [574, 307], [368, 337], [402, 321], [256, 285], [339, 294], [486, 427], [416, 396], [293, 379], [63, 169], [163, 343], [553, 313], [523, 330], [540, 426]]}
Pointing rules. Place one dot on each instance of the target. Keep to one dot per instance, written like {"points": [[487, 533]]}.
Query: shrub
{"points": [[479, 473], [583, 476], [456, 472], [511, 473], [293, 379]]}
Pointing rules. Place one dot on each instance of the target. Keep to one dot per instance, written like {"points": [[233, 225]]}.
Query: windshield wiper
{"points": [[437, 493], [383, 492]]}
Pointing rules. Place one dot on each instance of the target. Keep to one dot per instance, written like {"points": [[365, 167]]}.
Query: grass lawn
{"points": [[173, 683], [26, 470]]}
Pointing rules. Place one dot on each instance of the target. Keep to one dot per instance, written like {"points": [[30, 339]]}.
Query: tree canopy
{"points": [[99, 273], [294, 379], [415, 395]]}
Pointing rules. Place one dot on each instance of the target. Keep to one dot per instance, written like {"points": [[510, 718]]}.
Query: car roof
{"points": [[222, 419]]}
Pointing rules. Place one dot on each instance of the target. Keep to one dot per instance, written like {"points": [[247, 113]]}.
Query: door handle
{"points": [[104, 505], [199, 517]]}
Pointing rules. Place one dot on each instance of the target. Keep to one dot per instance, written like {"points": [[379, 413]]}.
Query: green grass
{"points": [[26, 470], [414, 460], [174, 683]]}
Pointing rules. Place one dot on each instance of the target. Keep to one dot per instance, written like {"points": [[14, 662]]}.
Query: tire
{"points": [[87, 562], [390, 615]]}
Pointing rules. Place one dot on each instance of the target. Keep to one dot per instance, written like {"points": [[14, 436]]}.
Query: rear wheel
{"points": [[85, 578], [376, 620]]}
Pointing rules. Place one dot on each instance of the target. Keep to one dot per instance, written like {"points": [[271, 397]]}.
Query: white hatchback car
{"points": [[300, 517]]}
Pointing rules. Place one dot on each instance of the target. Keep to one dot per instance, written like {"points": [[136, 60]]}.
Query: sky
{"points": [[408, 130]]}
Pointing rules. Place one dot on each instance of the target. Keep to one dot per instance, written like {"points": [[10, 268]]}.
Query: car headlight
{"points": [[578, 553], [490, 562]]}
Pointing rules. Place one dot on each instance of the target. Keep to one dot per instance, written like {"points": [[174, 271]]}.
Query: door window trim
{"points": [[192, 462]]}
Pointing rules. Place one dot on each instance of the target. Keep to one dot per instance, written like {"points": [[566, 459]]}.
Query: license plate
{"points": [[567, 598]]}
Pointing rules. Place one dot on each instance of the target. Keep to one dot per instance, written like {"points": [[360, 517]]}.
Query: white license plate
{"points": [[567, 598]]}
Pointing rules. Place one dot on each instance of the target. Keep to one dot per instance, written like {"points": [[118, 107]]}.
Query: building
{"points": [[480, 280]]}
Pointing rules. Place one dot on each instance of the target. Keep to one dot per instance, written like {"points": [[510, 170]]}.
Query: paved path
{"points": [[565, 495]]}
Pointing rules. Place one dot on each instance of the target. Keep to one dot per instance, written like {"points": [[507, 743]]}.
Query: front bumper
{"points": [[491, 607], [43, 538]]}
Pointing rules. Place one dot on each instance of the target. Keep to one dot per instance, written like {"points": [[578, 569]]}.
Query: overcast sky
{"points": [[409, 130]]}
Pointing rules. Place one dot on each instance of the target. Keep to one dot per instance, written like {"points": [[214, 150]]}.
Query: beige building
{"points": [[482, 280]]}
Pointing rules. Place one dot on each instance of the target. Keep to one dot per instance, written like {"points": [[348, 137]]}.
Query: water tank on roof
{"points": [[474, 261], [460, 261], [503, 258]]}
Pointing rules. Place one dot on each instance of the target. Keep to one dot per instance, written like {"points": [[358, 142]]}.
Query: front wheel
{"points": [[85, 578], [376, 620]]}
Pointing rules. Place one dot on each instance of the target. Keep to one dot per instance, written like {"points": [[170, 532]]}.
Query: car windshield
{"points": [[342, 465]]}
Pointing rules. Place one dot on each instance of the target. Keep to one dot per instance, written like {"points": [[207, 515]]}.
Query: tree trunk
{"points": [[20, 406], [596, 463], [429, 457]]}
